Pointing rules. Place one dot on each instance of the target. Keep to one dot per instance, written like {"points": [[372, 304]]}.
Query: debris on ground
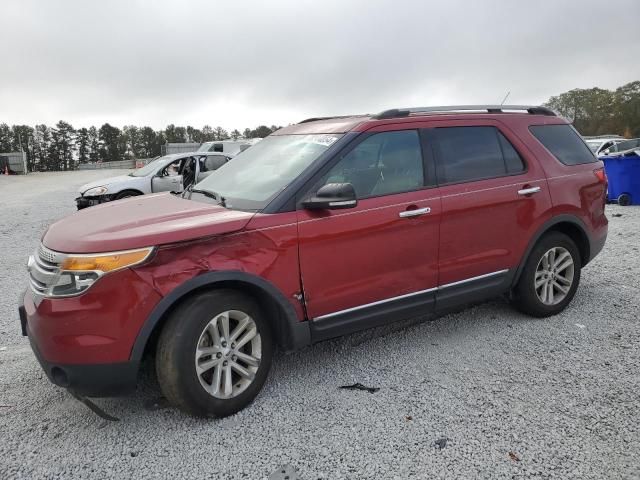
{"points": [[359, 386], [408, 417], [93, 407], [580, 325], [286, 472], [616, 215], [514, 457], [441, 443]]}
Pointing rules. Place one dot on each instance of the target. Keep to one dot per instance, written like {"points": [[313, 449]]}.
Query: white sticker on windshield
{"points": [[326, 140]]}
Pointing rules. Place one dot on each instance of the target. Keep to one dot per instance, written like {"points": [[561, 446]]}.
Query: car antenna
{"points": [[505, 97]]}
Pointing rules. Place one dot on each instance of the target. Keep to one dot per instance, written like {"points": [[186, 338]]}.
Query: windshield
{"points": [[149, 168], [257, 175], [208, 147], [626, 145]]}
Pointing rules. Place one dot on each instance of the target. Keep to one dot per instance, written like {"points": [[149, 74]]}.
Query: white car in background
{"points": [[171, 173], [603, 142]]}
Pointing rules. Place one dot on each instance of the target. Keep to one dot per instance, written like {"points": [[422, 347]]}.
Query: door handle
{"points": [[414, 213], [529, 191]]}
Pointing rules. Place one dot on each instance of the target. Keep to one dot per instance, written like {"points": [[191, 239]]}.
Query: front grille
{"points": [[44, 269], [46, 255]]}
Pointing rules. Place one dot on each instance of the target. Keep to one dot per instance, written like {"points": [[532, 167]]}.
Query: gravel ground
{"points": [[514, 397]]}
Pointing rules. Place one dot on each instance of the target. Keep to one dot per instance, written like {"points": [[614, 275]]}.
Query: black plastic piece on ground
{"points": [[359, 386], [441, 443], [93, 407]]}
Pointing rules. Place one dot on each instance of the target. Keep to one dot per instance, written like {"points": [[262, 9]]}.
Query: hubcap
{"points": [[554, 276], [228, 354]]}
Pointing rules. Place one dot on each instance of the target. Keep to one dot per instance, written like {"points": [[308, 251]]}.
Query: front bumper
{"points": [[84, 343], [91, 380], [84, 202]]}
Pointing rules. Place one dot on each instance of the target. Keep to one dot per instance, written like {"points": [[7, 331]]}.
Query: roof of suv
{"points": [[343, 124]]}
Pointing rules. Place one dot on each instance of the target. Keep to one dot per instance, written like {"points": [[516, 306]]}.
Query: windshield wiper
{"points": [[208, 193]]}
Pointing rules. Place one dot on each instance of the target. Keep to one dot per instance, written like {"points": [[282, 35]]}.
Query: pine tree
{"points": [[42, 139], [110, 143], [82, 144], [6, 139], [220, 134], [65, 138], [94, 144], [207, 134]]}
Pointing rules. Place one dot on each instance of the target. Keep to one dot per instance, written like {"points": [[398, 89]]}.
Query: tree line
{"points": [[63, 147], [593, 111], [596, 111]]}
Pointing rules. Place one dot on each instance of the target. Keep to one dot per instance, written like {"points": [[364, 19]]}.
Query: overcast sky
{"points": [[242, 63]]}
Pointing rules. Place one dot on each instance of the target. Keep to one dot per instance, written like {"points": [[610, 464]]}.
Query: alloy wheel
{"points": [[554, 276], [228, 354]]}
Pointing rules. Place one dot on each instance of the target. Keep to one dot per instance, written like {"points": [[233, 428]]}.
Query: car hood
{"points": [[103, 182], [141, 221]]}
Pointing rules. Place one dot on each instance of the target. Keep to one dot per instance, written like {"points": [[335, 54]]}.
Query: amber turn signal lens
{"points": [[601, 175], [106, 262]]}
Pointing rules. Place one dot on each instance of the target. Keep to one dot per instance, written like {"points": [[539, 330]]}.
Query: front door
{"points": [[372, 263], [168, 179]]}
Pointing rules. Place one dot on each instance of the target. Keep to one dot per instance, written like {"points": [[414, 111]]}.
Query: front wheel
{"points": [[126, 194], [550, 277], [214, 353]]}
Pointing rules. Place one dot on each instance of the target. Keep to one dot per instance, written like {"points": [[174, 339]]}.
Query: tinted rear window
{"points": [[466, 154], [564, 143]]}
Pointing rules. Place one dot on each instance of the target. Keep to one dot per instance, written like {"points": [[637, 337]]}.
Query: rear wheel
{"points": [[214, 353], [550, 277]]}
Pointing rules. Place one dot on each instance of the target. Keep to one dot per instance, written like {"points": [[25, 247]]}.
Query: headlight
{"points": [[95, 191], [105, 262], [59, 274]]}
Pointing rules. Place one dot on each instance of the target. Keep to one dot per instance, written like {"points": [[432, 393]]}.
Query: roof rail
{"points": [[405, 112], [314, 119]]}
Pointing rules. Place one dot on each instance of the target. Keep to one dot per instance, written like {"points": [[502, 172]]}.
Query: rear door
{"points": [[373, 263], [494, 197]]}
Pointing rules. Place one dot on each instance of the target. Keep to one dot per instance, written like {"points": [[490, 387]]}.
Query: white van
{"points": [[233, 147]]}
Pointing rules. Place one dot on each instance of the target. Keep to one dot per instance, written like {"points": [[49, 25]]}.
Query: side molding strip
{"points": [[392, 299]]}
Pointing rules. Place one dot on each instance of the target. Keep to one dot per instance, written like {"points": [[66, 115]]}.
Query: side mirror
{"points": [[332, 196]]}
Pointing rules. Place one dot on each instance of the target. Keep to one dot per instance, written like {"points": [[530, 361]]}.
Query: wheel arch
{"points": [[571, 226], [133, 190], [289, 332]]}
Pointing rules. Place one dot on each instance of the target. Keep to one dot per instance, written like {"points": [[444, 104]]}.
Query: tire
{"points": [[126, 194], [536, 301], [624, 200], [187, 340]]}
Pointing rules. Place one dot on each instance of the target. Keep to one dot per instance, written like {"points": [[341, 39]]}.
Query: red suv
{"points": [[323, 228]]}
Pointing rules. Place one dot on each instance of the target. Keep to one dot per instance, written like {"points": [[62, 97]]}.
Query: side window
{"points": [[466, 154], [172, 169], [512, 160], [382, 164], [564, 143]]}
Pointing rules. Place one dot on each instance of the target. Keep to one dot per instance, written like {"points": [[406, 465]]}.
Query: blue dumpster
{"points": [[623, 172]]}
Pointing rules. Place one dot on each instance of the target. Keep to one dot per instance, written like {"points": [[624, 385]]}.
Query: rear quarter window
{"points": [[564, 143]]}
